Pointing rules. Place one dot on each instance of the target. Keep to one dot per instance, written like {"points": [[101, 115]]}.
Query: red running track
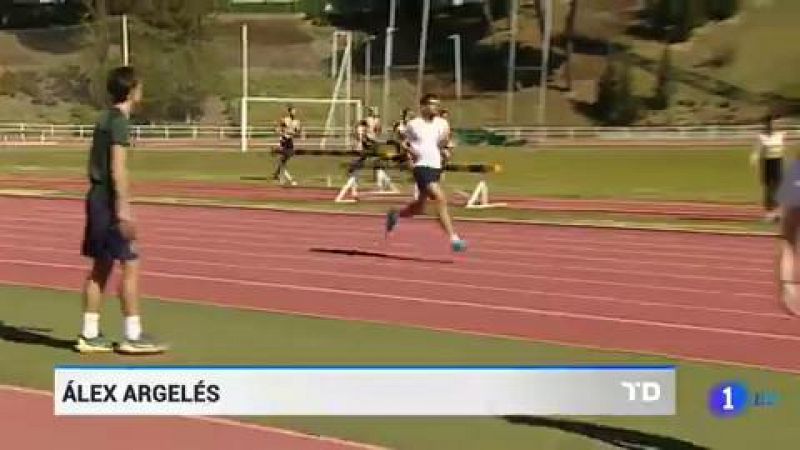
{"points": [[29, 423], [694, 296]]}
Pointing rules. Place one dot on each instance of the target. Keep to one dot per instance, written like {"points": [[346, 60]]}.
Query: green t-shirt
{"points": [[112, 128]]}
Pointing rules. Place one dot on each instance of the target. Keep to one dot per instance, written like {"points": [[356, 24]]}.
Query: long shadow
{"points": [[32, 336], [383, 255], [619, 437]]}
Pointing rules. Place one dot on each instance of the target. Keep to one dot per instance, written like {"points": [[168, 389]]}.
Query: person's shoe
{"points": [[145, 345], [458, 245], [392, 218], [97, 344]]}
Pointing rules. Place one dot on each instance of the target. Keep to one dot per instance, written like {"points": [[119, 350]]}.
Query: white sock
{"points": [[454, 238], [91, 325], [133, 328]]}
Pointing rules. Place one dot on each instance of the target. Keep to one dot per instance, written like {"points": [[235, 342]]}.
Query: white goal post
{"points": [[353, 108], [343, 81]]}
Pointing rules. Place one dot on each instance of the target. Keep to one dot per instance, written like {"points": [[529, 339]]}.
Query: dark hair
{"points": [[121, 81], [427, 98]]}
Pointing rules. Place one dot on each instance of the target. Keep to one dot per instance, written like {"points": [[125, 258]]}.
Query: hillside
{"points": [[722, 71]]}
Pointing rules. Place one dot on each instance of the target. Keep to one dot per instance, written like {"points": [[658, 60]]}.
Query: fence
{"points": [[228, 135], [709, 133], [224, 135]]}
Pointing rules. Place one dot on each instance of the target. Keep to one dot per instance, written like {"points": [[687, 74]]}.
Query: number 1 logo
{"points": [[728, 399]]}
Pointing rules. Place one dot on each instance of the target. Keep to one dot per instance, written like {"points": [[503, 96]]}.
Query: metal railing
{"points": [[312, 135], [694, 133]]}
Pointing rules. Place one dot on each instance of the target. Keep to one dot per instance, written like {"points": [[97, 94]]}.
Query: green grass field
{"points": [[36, 327], [693, 174]]}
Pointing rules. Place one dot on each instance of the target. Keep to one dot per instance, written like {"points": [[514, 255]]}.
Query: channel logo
{"points": [[733, 398]]}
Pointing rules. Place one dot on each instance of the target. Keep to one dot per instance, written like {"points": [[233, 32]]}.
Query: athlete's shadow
{"points": [[618, 437], [32, 336]]}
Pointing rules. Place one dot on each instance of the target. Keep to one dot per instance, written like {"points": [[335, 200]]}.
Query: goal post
{"points": [[324, 120]]}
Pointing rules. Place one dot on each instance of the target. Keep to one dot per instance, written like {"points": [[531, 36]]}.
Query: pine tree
{"points": [[616, 104], [665, 86], [722, 9]]}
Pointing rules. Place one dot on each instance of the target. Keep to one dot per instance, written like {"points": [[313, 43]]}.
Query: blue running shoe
{"points": [[459, 245], [392, 218]]}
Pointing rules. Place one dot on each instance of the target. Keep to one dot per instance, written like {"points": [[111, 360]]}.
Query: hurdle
{"points": [[477, 199], [383, 186], [384, 183]]}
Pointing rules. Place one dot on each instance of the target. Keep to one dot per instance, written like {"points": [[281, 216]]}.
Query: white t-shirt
{"points": [[425, 138], [771, 145]]}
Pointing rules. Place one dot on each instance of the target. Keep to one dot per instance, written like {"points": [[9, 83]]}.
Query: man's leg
{"points": [[787, 260], [136, 342], [90, 340], [279, 168], [129, 300], [440, 200]]}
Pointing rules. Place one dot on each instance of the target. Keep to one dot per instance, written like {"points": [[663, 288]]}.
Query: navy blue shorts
{"points": [[789, 190], [287, 147], [102, 238], [425, 176]]}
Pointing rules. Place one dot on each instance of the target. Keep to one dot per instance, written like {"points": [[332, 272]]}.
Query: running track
{"points": [[695, 296], [268, 191]]}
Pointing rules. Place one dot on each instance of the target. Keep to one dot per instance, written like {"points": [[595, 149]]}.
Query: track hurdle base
{"points": [[480, 198], [349, 192], [384, 184]]}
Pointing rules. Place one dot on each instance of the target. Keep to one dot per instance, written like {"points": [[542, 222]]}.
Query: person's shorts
{"points": [[425, 176], [287, 147], [102, 238]]}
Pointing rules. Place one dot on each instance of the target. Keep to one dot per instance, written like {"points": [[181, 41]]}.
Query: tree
{"points": [[616, 104], [722, 9], [97, 63], [665, 85], [539, 8], [171, 53], [690, 14], [486, 7], [569, 42]]}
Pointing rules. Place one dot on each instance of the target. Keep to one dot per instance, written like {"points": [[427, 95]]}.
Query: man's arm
{"points": [[119, 175], [406, 142], [756, 153], [447, 145], [361, 133]]}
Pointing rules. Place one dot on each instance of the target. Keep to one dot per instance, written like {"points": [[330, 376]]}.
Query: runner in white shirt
{"points": [[426, 137], [769, 155]]}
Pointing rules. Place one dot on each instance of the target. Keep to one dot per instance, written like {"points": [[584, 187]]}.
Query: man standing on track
{"points": [[288, 129], [426, 140], [110, 232], [768, 155], [364, 145]]}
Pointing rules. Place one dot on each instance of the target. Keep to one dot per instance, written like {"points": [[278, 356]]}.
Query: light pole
{"points": [[548, 27], [387, 58], [458, 69], [512, 61], [423, 44], [126, 60], [368, 69]]}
